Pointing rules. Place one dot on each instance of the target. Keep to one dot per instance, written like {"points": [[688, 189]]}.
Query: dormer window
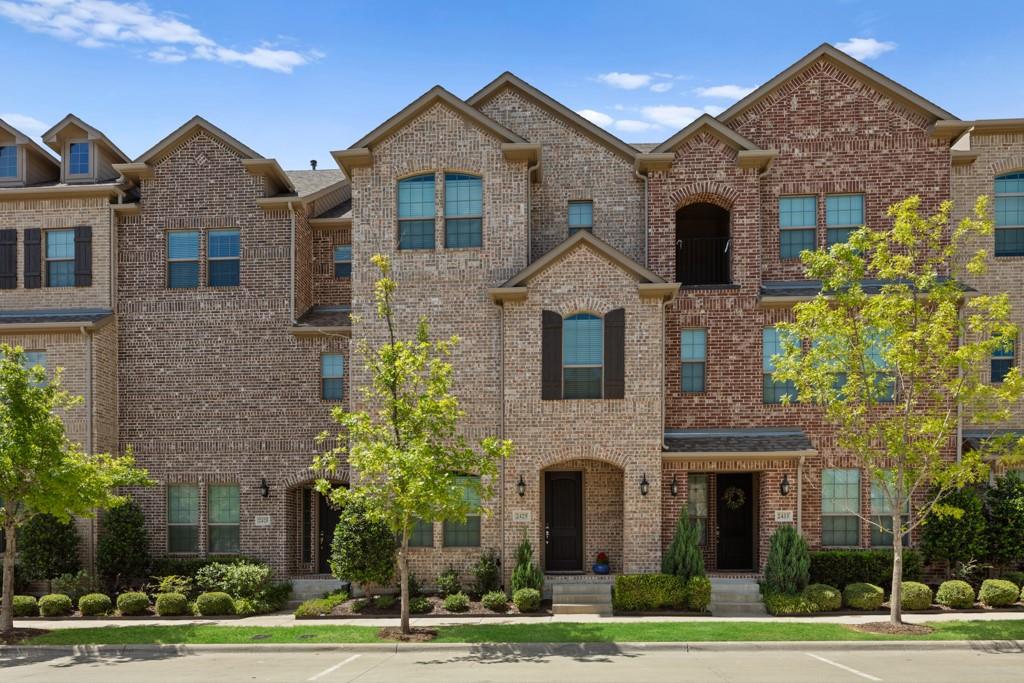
{"points": [[78, 158], [9, 162]]}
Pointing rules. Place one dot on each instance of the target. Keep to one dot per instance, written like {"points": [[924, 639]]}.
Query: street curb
{"points": [[1001, 646]]}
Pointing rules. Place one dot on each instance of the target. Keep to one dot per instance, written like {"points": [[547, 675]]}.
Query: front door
{"points": [[327, 518], [563, 521], [735, 511]]}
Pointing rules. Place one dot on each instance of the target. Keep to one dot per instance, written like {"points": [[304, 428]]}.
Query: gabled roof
{"points": [[50, 136], [710, 123], [187, 129], [510, 80], [22, 139], [845, 61]]}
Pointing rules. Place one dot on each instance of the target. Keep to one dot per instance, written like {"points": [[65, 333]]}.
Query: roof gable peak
{"points": [[196, 123], [710, 123]]}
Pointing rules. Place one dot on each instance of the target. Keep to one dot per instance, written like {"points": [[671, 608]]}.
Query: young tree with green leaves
{"points": [[41, 470], [412, 463], [894, 365]]}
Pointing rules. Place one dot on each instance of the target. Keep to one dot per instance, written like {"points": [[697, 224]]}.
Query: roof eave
{"points": [[270, 169]]}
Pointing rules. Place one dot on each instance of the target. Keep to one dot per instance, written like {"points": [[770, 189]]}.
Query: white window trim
{"points": [[92, 158]]}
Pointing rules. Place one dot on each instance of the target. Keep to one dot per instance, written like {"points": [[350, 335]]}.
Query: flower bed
{"points": [[375, 608]]}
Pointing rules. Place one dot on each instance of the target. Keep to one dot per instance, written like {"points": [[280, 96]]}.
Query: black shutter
{"points": [[551, 353], [615, 354], [8, 259], [83, 256], [33, 258]]}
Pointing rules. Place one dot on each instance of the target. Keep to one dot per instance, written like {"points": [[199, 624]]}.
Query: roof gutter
{"points": [[291, 266]]}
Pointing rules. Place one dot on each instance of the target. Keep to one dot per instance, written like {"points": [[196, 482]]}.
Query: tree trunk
{"points": [[403, 573], [896, 596], [7, 606]]}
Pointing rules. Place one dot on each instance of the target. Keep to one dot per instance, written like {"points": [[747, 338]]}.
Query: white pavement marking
{"points": [[844, 667], [336, 667]]}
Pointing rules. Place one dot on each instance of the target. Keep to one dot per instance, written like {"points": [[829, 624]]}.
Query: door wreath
{"points": [[734, 498]]}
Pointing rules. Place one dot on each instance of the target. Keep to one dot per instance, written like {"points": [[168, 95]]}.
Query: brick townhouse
{"points": [[616, 304]]}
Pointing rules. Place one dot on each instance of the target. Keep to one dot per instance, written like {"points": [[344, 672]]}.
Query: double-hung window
{"points": [[416, 212], [844, 213], [223, 527], [422, 535], [693, 359], [60, 258], [697, 504], [1002, 361], [34, 358], [343, 260], [1009, 192], [183, 259], [582, 356], [332, 376], [881, 514], [885, 382], [581, 217], [773, 390], [463, 210], [798, 225], [78, 158], [183, 518], [8, 162], [223, 253], [840, 507], [465, 534]]}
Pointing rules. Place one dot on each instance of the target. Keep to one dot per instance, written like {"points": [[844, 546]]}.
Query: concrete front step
{"points": [[307, 589], [738, 609], [582, 608], [736, 597], [582, 597]]}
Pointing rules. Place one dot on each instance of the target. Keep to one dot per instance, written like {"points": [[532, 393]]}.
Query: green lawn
{"points": [[522, 633]]}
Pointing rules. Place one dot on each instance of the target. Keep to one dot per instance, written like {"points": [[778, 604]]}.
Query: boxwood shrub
{"points": [[916, 596], [456, 602], [25, 606], [956, 594], [420, 605], [171, 605], [94, 604], [646, 592], [496, 601], [825, 598], [998, 593], [527, 599], [865, 596], [840, 568], [132, 604], [55, 605], [783, 604], [215, 604], [698, 593]]}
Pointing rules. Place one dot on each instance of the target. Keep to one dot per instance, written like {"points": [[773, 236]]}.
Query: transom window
{"points": [[332, 376], [581, 216], [183, 518], [1002, 361], [8, 162], [697, 503], [844, 213], [798, 221], [183, 259], [343, 260], [78, 158], [60, 258], [416, 212], [465, 534], [1009, 190], [223, 254], [224, 504], [771, 346], [693, 352], [840, 507], [881, 513], [582, 356], [463, 210]]}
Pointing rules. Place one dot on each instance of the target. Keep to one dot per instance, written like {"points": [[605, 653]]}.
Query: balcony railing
{"points": [[702, 261]]}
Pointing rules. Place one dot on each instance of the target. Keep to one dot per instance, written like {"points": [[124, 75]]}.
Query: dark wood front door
{"points": [[563, 521], [327, 519], [735, 511]]}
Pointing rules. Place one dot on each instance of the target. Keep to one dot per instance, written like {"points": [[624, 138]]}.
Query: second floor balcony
{"points": [[702, 245]]}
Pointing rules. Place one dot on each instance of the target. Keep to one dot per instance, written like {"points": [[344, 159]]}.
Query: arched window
{"points": [[416, 212], [582, 356], [1009, 191]]}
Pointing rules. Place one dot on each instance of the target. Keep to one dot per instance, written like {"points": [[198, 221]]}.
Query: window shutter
{"points": [[551, 353], [83, 256], [8, 259], [33, 258], [615, 354]]}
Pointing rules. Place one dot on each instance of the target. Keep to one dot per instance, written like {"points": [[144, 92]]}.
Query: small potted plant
{"points": [[600, 566]]}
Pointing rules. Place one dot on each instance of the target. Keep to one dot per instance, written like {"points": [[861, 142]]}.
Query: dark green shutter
{"points": [[8, 259], [33, 258], [83, 256], [551, 354], [615, 354]]}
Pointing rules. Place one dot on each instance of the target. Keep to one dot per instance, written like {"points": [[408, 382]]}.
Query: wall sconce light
{"points": [[644, 486], [521, 486], [674, 487], [784, 485], [264, 488]]}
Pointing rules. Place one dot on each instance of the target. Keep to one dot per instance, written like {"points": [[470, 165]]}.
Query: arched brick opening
{"points": [[702, 243], [310, 520]]}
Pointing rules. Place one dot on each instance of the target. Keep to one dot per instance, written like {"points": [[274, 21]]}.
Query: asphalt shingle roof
{"points": [[307, 182], [325, 316], [55, 315], [737, 440]]}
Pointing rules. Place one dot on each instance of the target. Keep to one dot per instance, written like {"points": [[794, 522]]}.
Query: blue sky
{"points": [[294, 80]]}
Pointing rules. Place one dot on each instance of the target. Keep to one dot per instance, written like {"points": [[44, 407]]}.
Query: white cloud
{"points": [[634, 126], [596, 117], [626, 81], [103, 23], [725, 92], [661, 87], [865, 48], [26, 124], [675, 116]]}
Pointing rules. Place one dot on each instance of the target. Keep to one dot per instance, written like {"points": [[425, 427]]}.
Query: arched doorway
{"points": [[702, 245]]}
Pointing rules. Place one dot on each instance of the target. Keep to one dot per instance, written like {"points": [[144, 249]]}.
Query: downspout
{"points": [[89, 436], [647, 237], [530, 169], [291, 265], [501, 427], [800, 496]]}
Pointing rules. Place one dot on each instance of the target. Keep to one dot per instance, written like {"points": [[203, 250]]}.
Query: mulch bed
{"points": [[889, 628], [418, 635], [476, 609], [17, 635]]}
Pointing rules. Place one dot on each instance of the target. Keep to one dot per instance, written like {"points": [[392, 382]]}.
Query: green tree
{"points": [[123, 548], [1005, 503], [788, 568], [894, 369], [48, 547], [683, 557], [956, 531], [412, 462], [41, 470], [363, 547]]}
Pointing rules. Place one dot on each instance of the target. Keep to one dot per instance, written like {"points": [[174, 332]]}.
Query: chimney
{"points": [[312, 164]]}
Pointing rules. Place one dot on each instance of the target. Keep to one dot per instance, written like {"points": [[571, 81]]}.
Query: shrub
{"points": [[362, 549], [25, 606], [486, 573], [189, 566], [244, 607], [998, 593], [275, 596], [956, 530], [1015, 576], [171, 604], [1005, 503], [698, 593], [448, 582], [864, 596], [414, 586], [788, 567], [321, 607], [94, 604], [526, 599], [456, 602], [132, 604], [384, 601], [782, 604], [646, 592], [239, 580], [956, 594], [420, 606], [916, 596], [684, 557], [55, 605], [122, 550], [840, 568], [74, 585], [526, 574], [825, 598], [215, 604], [20, 582], [496, 601], [173, 584], [361, 604], [47, 547]]}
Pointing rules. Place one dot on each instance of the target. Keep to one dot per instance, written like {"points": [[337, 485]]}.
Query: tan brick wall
{"points": [[327, 289]]}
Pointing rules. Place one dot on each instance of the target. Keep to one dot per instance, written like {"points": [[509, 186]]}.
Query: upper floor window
{"points": [[416, 212], [771, 346], [881, 515], [78, 158], [183, 518], [463, 210], [343, 260], [885, 383], [223, 525], [693, 353], [797, 225], [8, 162], [844, 213], [581, 217], [1002, 361], [60, 258], [582, 356], [223, 254], [422, 535], [34, 358], [465, 534], [332, 376], [183, 259], [1010, 214], [840, 507]]}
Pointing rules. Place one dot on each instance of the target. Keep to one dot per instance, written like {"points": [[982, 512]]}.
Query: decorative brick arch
{"points": [[307, 476], [705, 192], [1008, 165], [582, 453]]}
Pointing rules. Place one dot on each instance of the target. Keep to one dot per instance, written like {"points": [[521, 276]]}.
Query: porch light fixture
{"points": [[674, 487], [521, 486], [784, 485], [644, 486], [264, 488]]}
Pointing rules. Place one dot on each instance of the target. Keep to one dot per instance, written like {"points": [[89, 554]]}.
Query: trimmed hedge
{"points": [[698, 593], [840, 568], [647, 592], [863, 596], [496, 601], [956, 594], [55, 605], [132, 604], [916, 596], [825, 598], [527, 599], [25, 606], [420, 605], [998, 593], [782, 604], [190, 566], [94, 604], [215, 604], [456, 602], [171, 605]]}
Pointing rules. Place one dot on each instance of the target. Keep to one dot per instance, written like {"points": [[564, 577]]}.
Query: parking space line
{"points": [[844, 667], [332, 669]]}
